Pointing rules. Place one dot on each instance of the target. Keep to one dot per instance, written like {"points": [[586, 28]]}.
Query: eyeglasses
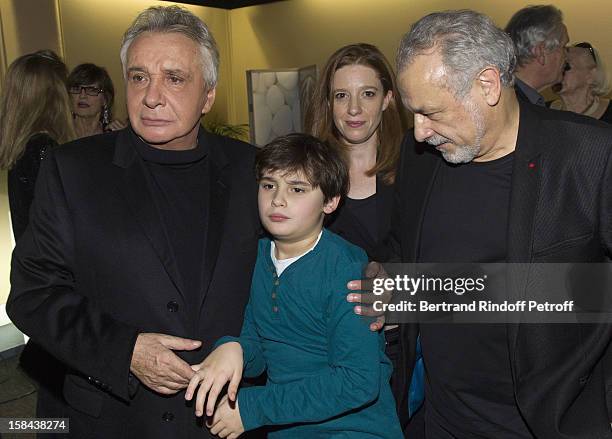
{"points": [[585, 45], [89, 90]]}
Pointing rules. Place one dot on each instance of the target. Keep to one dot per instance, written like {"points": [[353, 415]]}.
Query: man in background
{"points": [[540, 38]]}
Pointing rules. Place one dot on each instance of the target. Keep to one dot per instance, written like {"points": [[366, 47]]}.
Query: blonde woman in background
{"points": [[585, 84], [34, 116]]}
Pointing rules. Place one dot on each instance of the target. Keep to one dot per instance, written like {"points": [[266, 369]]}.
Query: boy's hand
{"points": [[227, 421], [373, 270], [222, 365]]}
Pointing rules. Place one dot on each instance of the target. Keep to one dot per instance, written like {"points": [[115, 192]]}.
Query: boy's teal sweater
{"points": [[328, 375]]}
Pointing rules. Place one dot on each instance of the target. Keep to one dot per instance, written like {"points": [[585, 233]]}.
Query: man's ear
{"points": [[331, 205], [210, 100], [489, 82], [539, 53]]}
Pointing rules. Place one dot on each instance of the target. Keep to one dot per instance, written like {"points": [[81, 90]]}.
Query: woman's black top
{"points": [[365, 222], [22, 179]]}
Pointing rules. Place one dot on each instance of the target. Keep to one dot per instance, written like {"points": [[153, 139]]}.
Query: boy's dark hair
{"points": [[321, 163]]}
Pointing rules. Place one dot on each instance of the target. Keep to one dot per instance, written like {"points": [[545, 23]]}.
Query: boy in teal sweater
{"points": [[328, 375]]}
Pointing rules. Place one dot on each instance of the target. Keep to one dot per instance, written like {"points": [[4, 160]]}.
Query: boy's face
{"points": [[290, 208]]}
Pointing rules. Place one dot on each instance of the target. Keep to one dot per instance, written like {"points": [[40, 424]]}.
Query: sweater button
{"points": [[275, 308], [172, 306], [168, 416], [274, 295]]}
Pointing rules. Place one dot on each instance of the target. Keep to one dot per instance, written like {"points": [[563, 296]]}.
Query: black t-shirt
{"points": [[179, 180], [469, 391], [365, 213], [364, 222]]}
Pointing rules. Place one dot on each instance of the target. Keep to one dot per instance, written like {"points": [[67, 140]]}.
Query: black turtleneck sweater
{"points": [[178, 185]]}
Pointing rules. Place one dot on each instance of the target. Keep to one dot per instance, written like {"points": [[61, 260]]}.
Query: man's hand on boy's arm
{"points": [[157, 366], [373, 270], [227, 422], [222, 365]]}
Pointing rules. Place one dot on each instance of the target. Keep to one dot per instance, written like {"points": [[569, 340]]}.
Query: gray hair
{"points": [[169, 19], [532, 26], [468, 42]]}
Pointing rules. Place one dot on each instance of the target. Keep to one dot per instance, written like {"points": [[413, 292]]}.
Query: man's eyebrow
{"points": [[136, 69], [177, 72], [423, 110]]}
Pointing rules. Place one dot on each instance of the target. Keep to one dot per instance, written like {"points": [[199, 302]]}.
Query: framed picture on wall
{"points": [[277, 101]]}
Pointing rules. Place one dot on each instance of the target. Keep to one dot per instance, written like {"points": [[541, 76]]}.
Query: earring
{"points": [[105, 116]]}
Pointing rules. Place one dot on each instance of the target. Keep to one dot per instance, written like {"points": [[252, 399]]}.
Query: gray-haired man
{"points": [[141, 242], [482, 183], [540, 37]]}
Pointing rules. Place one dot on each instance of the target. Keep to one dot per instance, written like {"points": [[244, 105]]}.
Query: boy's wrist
{"points": [[249, 412], [224, 340], [244, 349]]}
